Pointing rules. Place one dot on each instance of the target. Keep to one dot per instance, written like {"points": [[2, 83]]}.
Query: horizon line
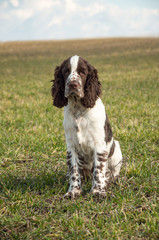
{"points": [[77, 39]]}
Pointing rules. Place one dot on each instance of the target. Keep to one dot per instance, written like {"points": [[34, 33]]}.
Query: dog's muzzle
{"points": [[74, 86]]}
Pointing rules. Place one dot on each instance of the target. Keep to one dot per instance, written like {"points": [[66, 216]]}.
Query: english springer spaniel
{"points": [[91, 148]]}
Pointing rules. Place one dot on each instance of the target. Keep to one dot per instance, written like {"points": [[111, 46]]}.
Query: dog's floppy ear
{"points": [[58, 89], [92, 88]]}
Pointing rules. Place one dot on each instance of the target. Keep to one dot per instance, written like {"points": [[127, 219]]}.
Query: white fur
{"points": [[74, 63], [74, 76], [84, 132], [86, 140], [90, 125]]}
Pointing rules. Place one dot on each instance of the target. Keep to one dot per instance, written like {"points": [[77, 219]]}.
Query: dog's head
{"points": [[75, 77]]}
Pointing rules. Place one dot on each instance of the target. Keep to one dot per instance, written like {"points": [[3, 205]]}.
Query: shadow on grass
{"points": [[55, 184], [40, 183]]}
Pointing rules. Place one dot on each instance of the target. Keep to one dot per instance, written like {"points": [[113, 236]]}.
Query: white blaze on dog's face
{"points": [[74, 63], [75, 79], [75, 74]]}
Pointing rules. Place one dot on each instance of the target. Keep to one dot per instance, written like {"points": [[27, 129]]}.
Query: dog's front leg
{"points": [[74, 176], [101, 174]]}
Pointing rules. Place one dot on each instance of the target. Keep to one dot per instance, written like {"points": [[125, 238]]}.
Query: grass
{"points": [[33, 150]]}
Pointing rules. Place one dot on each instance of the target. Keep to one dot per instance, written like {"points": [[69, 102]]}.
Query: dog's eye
{"points": [[82, 72], [65, 70]]}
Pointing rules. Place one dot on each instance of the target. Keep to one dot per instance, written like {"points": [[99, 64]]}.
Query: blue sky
{"points": [[71, 19]]}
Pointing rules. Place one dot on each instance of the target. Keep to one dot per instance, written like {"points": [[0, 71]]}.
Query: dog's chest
{"points": [[78, 131], [82, 131]]}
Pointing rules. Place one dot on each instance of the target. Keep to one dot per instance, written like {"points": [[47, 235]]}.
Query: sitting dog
{"points": [[91, 148]]}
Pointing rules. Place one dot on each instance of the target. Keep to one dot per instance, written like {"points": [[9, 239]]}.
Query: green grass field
{"points": [[33, 150]]}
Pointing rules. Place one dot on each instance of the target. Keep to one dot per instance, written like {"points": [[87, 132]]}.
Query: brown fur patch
{"points": [[100, 167], [112, 149], [69, 155], [108, 130]]}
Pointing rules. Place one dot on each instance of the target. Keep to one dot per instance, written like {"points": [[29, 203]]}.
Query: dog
{"points": [[91, 148]]}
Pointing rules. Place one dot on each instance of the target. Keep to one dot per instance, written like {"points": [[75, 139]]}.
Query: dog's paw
{"points": [[98, 193], [72, 194]]}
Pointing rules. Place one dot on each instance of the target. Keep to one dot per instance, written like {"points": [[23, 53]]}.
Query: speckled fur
{"points": [[90, 144]]}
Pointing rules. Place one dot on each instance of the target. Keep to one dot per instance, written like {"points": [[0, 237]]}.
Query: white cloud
{"points": [[90, 10], [3, 5], [22, 14], [132, 21], [44, 4], [113, 10], [74, 19], [15, 3], [55, 21], [96, 29], [93, 9], [71, 6]]}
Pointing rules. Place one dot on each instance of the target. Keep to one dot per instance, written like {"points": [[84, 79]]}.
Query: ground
{"points": [[33, 150]]}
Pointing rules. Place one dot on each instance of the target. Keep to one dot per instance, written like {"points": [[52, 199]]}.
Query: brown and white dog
{"points": [[90, 144]]}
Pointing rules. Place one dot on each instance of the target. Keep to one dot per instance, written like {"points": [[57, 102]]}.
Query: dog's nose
{"points": [[73, 85]]}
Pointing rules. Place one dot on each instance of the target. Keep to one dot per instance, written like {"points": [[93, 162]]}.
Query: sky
{"points": [[76, 19]]}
